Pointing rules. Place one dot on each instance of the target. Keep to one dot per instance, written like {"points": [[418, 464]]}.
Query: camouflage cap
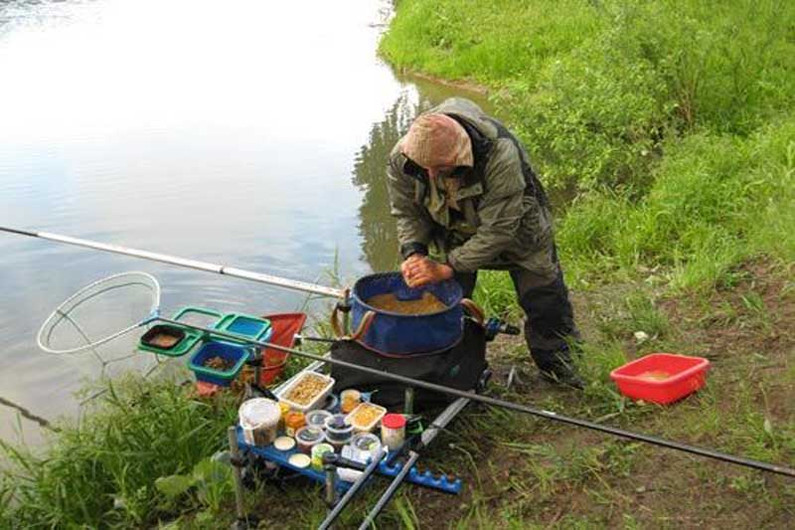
{"points": [[437, 140]]}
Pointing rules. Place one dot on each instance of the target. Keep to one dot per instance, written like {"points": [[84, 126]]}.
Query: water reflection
{"points": [[376, 226]]}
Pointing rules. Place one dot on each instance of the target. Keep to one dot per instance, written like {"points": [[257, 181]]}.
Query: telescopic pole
{"points": [[183, 262]]}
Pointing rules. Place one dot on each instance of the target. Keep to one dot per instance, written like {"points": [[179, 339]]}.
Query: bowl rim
{"points": [[700, 366]]}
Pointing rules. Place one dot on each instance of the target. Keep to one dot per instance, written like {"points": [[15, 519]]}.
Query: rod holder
{"points": [[234, 450], [331, 484], [408, 401]]}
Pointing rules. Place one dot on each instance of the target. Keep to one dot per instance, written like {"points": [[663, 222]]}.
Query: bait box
{"points": [[186, 340], [685, 376], [367, 427], [316, 402], [198, 316], [225, 350], [247, 326]]}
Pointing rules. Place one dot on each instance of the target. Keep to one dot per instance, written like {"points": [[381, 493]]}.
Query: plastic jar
{"points": [[285, 408], [393, 431], [363, 446], [349, 400], [317, 454], [307, 437], [338, 431], [293, 421], [259, 419], [317, 418]]}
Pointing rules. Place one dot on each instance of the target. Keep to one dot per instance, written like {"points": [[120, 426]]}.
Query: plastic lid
{"points": [[393, 421], [259, 411], [365, 441], [299, 460], [308, 435], [284, 443], [317, 418], [337, 423], [321, 448]]}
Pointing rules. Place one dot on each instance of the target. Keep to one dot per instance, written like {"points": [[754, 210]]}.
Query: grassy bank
{"points": [[142, 456], [103, 470], [671, 127], [670, 123]]}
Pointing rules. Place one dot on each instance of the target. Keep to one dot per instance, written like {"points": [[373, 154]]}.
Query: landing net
{"points": [[100, 312]]}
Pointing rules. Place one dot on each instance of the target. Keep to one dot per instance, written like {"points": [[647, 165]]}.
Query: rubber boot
{"points": [[557, 367]]}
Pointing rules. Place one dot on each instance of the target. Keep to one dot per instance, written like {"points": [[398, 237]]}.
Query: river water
{"points": [[246, 133]]}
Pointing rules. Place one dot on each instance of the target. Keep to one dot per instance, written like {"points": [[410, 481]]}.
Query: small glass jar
{"points": [[307, 437], [293, 421], [349, 399], [393, 431]]}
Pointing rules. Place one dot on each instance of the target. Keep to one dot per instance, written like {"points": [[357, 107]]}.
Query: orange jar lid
{"points": [[294, 418]]}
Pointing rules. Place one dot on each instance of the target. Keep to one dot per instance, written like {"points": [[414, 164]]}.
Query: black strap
{"points": [[532, 184]]}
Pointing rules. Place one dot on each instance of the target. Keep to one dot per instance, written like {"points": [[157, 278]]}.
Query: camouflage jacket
{"points": [[502, 220]]}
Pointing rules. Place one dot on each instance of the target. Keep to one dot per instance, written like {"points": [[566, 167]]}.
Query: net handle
{"points": [[58, 313]]}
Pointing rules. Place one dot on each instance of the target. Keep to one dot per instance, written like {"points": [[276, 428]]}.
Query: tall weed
{"points": [[101, 472], [594, 88], [716, 199]]}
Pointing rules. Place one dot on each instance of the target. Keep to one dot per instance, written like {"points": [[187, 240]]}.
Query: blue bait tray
{"points": [[387, 468], [234, 353], [247, 326]]}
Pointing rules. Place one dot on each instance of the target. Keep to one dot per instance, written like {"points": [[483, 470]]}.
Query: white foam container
{"points": [[369, 426], [315, 403]]}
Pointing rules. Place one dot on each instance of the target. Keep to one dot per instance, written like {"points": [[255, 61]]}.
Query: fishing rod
{"points": [[183, 262], [471, 395], [338, 293], [426, 438]]}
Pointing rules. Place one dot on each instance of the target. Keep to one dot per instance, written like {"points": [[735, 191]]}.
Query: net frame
{"points": [[86, 294]]}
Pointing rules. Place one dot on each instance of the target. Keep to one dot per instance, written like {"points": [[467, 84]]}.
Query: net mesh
{"points": [[100, 312]]}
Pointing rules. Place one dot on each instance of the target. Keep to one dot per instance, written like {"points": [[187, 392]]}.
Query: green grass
{"points": [[108, 471], [716, 201], [671, 127], [101, 472], [671, 123]]}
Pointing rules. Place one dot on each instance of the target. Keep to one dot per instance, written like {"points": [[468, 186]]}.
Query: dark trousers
{"points": [[549, 327]]}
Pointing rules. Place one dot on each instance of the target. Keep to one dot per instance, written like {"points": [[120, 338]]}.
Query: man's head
{"points": [[437, 143]]}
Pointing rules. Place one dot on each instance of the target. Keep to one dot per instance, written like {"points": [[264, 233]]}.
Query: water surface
{"points": [[247, 133]]}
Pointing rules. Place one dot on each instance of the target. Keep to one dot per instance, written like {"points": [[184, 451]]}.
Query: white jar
{"points": [[393, 431]]}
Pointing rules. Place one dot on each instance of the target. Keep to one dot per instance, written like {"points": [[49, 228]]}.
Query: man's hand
{"points": [[420, 270]]}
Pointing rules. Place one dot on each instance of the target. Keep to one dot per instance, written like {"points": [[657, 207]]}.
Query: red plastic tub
{"points": [[661, 377]]}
